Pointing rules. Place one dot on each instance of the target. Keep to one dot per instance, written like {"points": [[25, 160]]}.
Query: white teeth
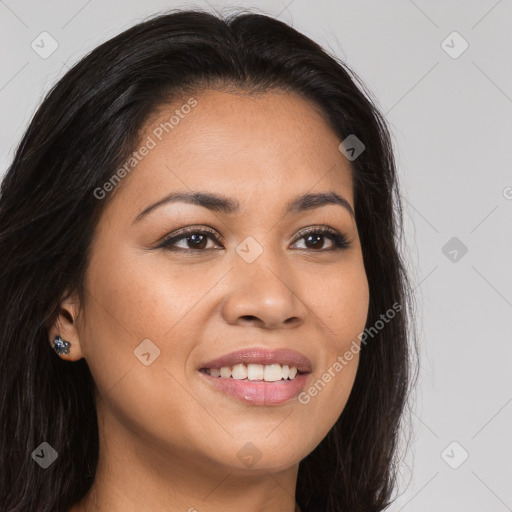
{"points": [[272, 372], [255, 371], [239, 372], [268, 373], [225, 372]]}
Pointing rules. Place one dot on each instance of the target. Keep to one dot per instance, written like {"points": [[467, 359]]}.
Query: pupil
{"points": [[311, 237], [197, 240]]}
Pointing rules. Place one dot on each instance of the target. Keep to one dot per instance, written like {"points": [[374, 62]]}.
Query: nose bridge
{"points": [[262, 284], [266, 272], [261, 258]]}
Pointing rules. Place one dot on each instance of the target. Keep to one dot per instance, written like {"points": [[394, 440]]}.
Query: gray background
{"points": [[452, 126]]}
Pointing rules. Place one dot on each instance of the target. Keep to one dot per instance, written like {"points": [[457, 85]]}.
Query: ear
{"points": [[66, 326]]}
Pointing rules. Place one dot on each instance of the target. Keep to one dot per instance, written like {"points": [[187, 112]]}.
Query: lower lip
{"points": [[259, 392]]}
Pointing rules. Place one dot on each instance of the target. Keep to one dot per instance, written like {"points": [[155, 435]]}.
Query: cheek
{"points": [[143, 297], [133, 297], [341, 300], [123, 309], [129, 303], [341, 307]]}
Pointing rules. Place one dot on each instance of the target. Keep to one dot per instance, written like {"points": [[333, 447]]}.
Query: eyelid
{"points": [[183, 232], [339, 239], [309, 229]]}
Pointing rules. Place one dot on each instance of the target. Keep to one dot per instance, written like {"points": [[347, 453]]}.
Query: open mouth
{"points": [[262, 385], [255, 372]]}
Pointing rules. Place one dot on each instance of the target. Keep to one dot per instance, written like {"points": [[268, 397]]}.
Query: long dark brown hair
{"points": [[81, 133]]}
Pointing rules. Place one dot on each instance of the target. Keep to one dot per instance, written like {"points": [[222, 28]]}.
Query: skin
{"points": [[168, 441]]}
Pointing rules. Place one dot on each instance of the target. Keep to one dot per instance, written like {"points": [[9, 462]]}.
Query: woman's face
{"points": [[155, 314]]}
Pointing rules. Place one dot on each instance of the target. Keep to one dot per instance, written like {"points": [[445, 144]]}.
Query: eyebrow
{"points": [[229, 206]]}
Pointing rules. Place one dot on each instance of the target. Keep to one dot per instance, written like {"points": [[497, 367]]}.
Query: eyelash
{"points": [[339, 240]]}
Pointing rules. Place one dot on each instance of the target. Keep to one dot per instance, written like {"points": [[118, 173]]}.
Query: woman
{"points": [[204, 305]]}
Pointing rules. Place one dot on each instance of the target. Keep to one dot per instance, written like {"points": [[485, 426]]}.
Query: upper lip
{"points": [[262, 356]]}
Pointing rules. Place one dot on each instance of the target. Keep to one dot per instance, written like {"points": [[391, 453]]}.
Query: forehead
{"points": [[272, 145]]}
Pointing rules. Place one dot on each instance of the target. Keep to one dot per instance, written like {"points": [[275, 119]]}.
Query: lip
{"points": [[256, 355], [259, 392]]}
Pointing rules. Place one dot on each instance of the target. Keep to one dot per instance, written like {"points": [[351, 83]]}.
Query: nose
{"points": [[262, 293]]}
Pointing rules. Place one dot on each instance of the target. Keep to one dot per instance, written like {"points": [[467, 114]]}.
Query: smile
{"points": [[256, 392], [255, 372]]}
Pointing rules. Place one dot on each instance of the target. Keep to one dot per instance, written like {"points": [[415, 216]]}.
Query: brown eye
{"points": [[315, 239], [195, 240]]}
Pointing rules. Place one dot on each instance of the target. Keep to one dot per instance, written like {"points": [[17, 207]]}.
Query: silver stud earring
{"points": [[61, 346]]}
